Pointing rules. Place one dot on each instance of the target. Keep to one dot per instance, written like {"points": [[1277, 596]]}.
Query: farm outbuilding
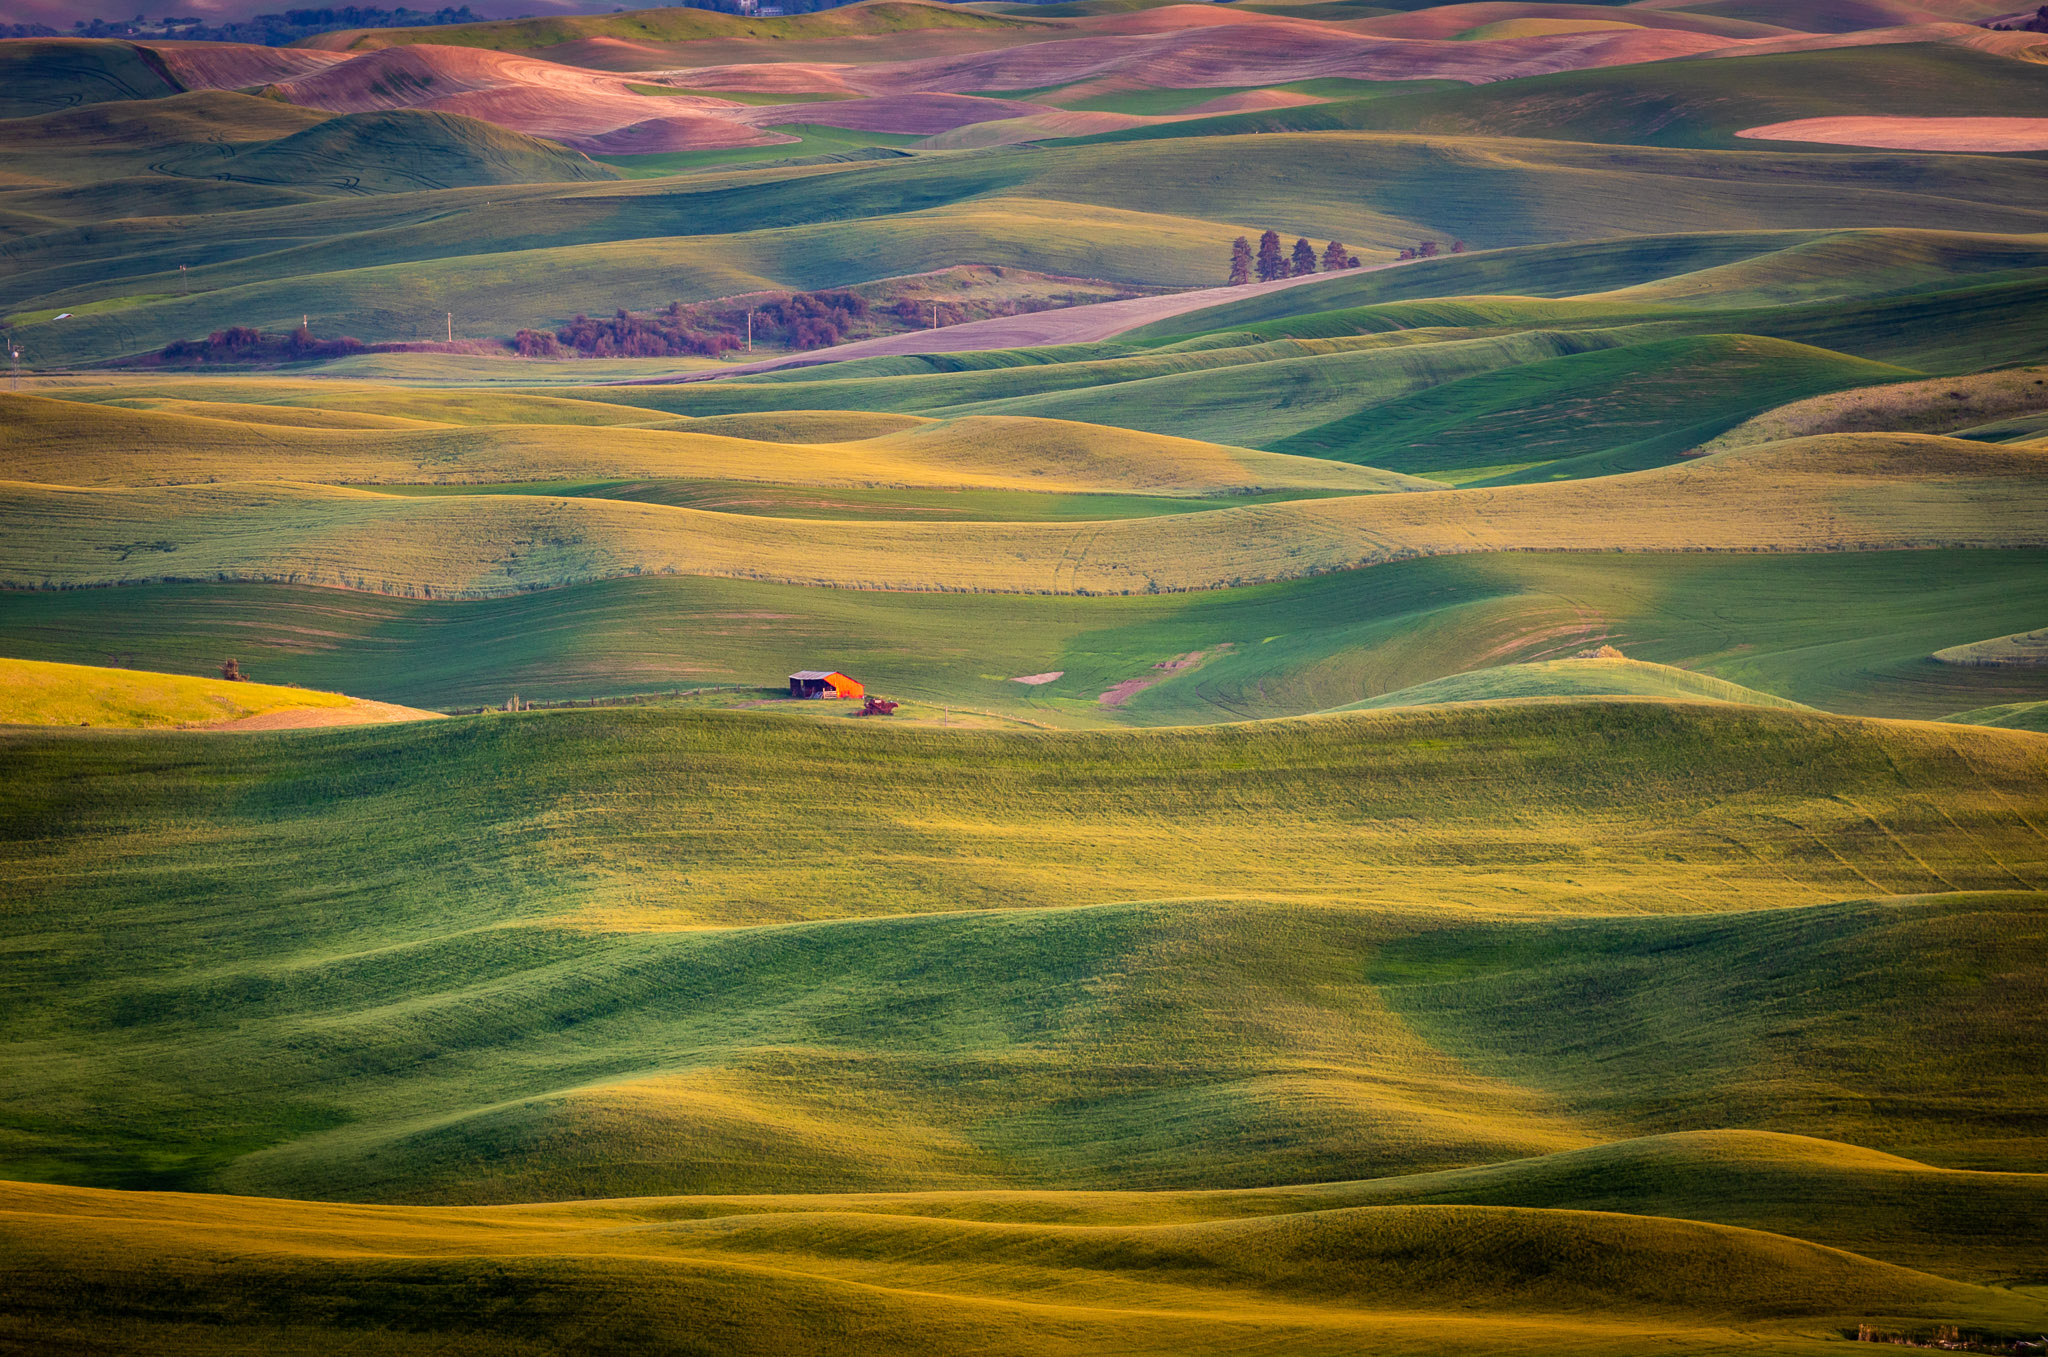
{"points": [[824, 683]]}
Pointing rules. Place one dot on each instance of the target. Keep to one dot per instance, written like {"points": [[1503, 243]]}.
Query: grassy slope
{"points": [[1833, 493], [1645, 276], [37, 693], [1572, 678], [1948, 405], [2010, 715], [858, 1279], [45, 75], [498, 988], [1849, 632], [1699, 103], [406, 150], [1784, 994], [107, 140], [62, 441], [1143, 212], [881, 17], [1588, 414]]}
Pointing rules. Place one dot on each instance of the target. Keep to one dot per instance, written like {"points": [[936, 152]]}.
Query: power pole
{"points": [[15, 354], [184, 283], [935, 315], [451, 327], [750, 331]]}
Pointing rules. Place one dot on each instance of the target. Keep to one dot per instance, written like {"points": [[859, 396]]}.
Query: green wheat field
{"points": [[1456, 599]]}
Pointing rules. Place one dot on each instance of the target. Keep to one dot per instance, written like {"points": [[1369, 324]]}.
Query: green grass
{"points": [[507, 992], [406, 150], [2010, 715], [1698, 103], [406, 438], [193, 132], [1588, 414], [813, 142], [897, 1275], [1139, 212], [1602, 677], [1837, 493], [682, 25], [867, 504], [1850, 633], [1750, 1007], [45, 75]]}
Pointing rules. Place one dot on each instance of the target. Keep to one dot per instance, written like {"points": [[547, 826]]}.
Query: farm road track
{"points": [[1068, 325]]}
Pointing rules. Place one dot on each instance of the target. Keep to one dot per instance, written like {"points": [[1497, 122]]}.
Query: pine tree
{"points": [[1240, 262], [1336, 257], [1272, 264], [1304, 259]]}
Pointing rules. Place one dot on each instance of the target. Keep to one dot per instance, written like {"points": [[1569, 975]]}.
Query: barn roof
{"points": [[817, 674]]}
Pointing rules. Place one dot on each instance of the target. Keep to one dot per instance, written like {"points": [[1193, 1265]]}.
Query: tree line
{"points": [[1270, 263], [804, 320]]}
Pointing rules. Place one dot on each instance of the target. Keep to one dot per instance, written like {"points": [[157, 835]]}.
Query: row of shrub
{"points": [[243, 344], [806, 320]]}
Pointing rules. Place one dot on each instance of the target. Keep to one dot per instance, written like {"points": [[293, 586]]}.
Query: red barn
{"points": [[824, 683]]}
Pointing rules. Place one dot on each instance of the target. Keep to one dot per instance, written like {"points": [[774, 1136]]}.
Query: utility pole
{"points": [[750, 331], [451, 327], [935, 315], [15, 354], [184, 283]]}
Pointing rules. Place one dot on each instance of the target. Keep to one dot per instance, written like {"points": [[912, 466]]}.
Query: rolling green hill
{"points": [[1140, 212], [1588, 414], [1698, 103], [877, 18], [1833, 493], [1602, 677], [1850, 632], [895, 1276], [510, 993], [45, 75], [406, 150], [1273, 918]]}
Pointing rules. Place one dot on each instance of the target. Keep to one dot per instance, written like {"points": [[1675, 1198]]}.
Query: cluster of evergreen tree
{"points": [[1270, 263]]}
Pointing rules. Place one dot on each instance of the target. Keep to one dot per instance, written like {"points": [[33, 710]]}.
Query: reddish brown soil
{"points": [[1912, 134], [910, 114], [580, 108], [234, 65]]}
